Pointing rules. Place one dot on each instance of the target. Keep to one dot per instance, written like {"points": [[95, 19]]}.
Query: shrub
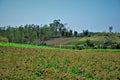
{"points": [[110, 44], [67, 61], [79, 47], [89, 43], [107, 40], [85, 32], [76, 46], [43, 43], [96, 47], [73, 47], [3, 39], [118, 46], [115, 46], [88, 75], [89, 35], [76, 70], [36, 42], [38, 72], [104, 47], [82, 47]]}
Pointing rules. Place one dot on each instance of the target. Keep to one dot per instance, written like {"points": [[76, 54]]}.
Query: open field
{"points": [[17, 63]]}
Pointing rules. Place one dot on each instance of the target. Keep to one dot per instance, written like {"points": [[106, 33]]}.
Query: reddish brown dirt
{"points": [[21, 63], [60, 41]]}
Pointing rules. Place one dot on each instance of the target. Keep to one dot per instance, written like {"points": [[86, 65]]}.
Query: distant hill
{"points": [[96, 39]]}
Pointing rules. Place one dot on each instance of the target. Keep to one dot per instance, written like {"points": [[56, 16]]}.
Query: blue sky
{"points": [[94, 15]]}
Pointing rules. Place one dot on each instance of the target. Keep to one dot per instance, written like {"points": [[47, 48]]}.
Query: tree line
{"points": [[35, 34]]}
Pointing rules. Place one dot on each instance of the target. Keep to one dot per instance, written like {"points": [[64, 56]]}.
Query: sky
{"points": [[94, 15]]}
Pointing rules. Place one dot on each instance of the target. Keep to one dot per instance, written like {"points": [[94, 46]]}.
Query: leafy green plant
{"points": [[42, 56], [89, 43], [67, 61], [39, 72], [77, 71], [88, 75]]}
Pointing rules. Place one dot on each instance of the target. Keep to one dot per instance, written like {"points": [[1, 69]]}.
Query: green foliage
{"points": [[76, 70], [88, 75], [39, 72], [3, 39], [67, 61], [79, 47], [89, 43], [34, 34], [97, 41], [42, 56], [85, 32], [75, 33], [110, 43], [110, 29], [86, 45]]}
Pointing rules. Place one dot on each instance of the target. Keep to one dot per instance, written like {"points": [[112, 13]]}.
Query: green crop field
{"points": [[53, 48], [18, 62], [24, 45]]}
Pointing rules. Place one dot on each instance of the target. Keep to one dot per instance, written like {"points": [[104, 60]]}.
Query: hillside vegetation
{"points": [[98, 39]]}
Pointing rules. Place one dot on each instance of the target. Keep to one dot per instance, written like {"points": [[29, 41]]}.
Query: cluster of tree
{"points": [[35, 34], [86, 33]]}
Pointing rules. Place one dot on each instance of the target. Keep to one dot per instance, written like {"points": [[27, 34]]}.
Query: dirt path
{"points": [[60, 41]]}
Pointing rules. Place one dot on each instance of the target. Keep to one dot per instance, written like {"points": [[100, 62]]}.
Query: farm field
{"points": [[18, 63]]}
